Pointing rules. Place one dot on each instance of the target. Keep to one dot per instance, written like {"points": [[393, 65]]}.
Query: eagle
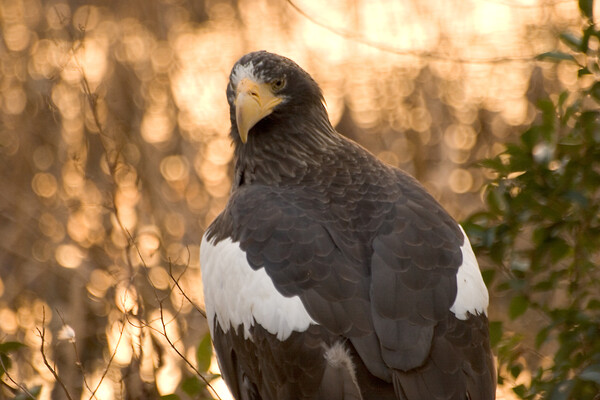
{"points": [[330, 274]]}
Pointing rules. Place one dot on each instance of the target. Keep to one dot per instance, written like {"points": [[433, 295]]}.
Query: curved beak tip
{"points": [[254, 101]]}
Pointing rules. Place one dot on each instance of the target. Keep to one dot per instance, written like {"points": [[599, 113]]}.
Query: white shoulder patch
{"points": [[239, 295], [472, 295]]}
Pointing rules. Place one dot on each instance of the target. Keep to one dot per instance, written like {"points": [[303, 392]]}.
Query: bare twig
{"points": [[42, 334], [113, 163], [110, 360], [78, 359], [350, 35], [17, 384], [176, 281], [164, 326]]}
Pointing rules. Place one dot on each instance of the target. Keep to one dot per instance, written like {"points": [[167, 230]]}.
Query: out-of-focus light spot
{"points": [[14, 100], [34, 340], [196, 198], [159, 278], [514, 191], [100, 281], [103, 388], [51, 227], [72, 174], [157, 126], [219, 151], [389, 158], [127, 218], [86, 18], [515, 113], [67, 99], [175, 224], [44, 184], [41, 312], [25, 317], [460, 137], [58, 15], [90, 60], [420, 119], [148, 239], [210, 173], [168, 377], [162, 57], [194, 256], [16, 37], [77, 227], [9, 142], [47, 57], [178, 253], [460, 181], [219, 189], [126, 177], [542, 153], [219, 384], [136, 42], [126, 299], [42, 250], [119, 343], [43, 157], [8, 321], [69, 255], [174, 168]]}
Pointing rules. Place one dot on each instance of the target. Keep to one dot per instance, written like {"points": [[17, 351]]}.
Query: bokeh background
{"points": [[115, 156]]}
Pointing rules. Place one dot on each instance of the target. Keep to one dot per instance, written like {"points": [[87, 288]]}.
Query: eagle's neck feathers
{"points": [[281, 150]]}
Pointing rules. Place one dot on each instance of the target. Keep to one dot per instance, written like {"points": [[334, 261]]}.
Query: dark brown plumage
{"points": [[383, 298]]}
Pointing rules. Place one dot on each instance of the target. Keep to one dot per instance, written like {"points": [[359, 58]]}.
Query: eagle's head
{"points": [[270, 94]]}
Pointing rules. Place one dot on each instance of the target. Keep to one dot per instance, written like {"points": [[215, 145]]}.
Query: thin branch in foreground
{"points": [[42, 334], [347, 34], [110, 360], [17, 384], [176, 281], [164, 326], [74, 343]]}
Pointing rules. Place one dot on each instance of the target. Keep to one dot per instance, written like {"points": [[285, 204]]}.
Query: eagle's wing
{"points": [[386, 281]]}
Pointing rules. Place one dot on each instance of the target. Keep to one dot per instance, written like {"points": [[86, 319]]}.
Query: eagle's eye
{"points": [[277, 84]]}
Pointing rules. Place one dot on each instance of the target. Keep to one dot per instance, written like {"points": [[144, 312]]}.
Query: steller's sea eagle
{"points": [[331, 275]]}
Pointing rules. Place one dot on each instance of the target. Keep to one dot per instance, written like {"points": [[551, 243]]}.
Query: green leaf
{"points": [[587, 8], [541, 337], [488, 276], [571, 40], [192, 386], [583, 71], [172, 396], [495, 332], [9, 347], [520, 390], [518, 306], [516, 370], [555, 56], [559, 249], [204, 353]]}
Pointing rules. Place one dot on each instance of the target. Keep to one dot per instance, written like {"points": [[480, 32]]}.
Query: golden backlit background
{"points": [[115, 154]]}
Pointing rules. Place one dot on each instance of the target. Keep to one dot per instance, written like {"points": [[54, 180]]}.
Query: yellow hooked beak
{"points": [[253, 102]]}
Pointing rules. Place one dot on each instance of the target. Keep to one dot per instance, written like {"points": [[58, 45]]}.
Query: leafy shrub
{"points": [[542, 231]]}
